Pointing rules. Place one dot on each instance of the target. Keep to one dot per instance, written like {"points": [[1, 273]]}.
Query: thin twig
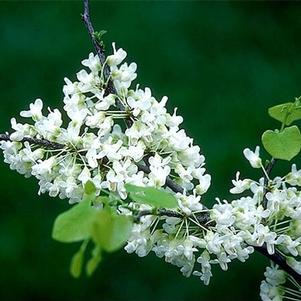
{"points": [[99, 48]]}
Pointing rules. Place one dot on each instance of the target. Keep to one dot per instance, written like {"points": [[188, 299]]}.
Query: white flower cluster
{"points": [[127, 136], [279, 286], [269, 217], [271, 288], [97, 147]]}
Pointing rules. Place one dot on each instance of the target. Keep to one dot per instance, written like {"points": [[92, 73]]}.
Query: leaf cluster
{"points": [[105, 226], [285, 143]]}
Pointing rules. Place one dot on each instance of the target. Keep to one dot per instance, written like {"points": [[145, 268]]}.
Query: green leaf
{"points": [[99, 34], [74, 224], [286, 113], [152, 196], [283, 145], [77, 264], [110, 230], [89, 187], [94, 261]]}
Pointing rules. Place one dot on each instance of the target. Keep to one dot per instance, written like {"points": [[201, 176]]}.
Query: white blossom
{"points": [[35, 110], [253, 157]]}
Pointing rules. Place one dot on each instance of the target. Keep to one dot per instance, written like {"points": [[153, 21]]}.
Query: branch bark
{"points": [[276, 257], [99, 48], [44, 143], [279, 260]]}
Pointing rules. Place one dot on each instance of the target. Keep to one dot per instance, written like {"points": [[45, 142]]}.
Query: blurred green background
{"points": [[221, 63]]}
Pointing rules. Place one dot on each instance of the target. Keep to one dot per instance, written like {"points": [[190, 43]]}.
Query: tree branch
{"points": [[111, 89], [44, 143], [99, 48], [276, 257], [159, 212], [279, 260]]}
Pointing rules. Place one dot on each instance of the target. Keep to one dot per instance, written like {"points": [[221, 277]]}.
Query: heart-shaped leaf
{"points": [[286, 113], [283, 145]]}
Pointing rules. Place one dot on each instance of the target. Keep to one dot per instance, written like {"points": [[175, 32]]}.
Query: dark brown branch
{"points": [[276, 257], [41, 142], [99, 48], [279, 260], [159, 212], [168, 183], [203, 218]]}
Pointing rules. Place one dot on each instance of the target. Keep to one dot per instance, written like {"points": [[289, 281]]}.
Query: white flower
{"points": [[189, 249], [134, 151], [261, 235], [98, 147], [205, 274], [50, 127], [269, 288], [77, 116], [159, 170], [85, 175], [204, 184], [294, 177], [43, 167], [296, 265], [189, 203], [84, 77], [253, 157], [92, 63], [174, 120], [95, 120], [142, 101], [137, 131], [105, 102], [240, 185], [184, 173], [70, 88], [181, 142], [116, 58], [110, 150], [21, 130], [35, 110], [222, 214], [123, 76], [288, 243]]}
